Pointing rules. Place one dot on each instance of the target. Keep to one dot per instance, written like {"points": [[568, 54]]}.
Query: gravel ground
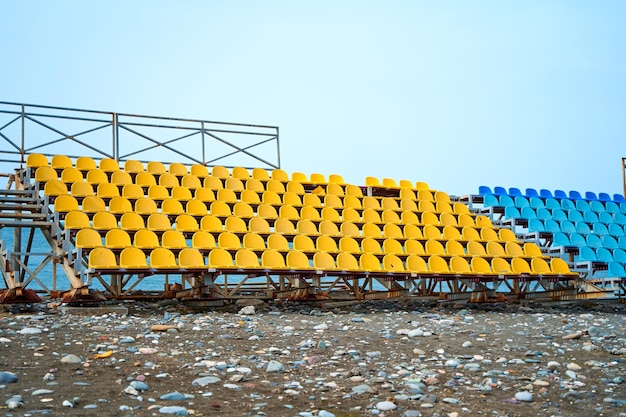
{"points": [[386, 359]]}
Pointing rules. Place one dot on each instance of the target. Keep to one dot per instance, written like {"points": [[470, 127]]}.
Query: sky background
{"points": [[454, 93]]}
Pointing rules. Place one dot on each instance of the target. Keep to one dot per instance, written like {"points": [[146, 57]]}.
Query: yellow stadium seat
{"points": [[465, 220], [349, 229], [372, 230], [211, 223], [260, 174], [454, 247], [220, 258], [370, 245], [513, 249], [389, 183], [307, 227], [132, 221], [318, 178], [393, 231], [146, 206], [459, 265], [109, 165], [460, 208], [329, 213], [255, 186], [412, 231], [425, 195], [96, 177], [348, 262], [349, 244], [323, 261], [434, 247], [392, 246], [409, 217], [507, 235], [312, 200], [203, 240], [234, 184], [273, 259], [76, 220], [133, 166], [186, 223], [275, 186], [180, 170], [392, 263], [117, 239], [236, 225], [277, 242], [158, 222], [501, 266], [520, 266], [220, 171], [331, 200], [324, 244], [220, 209], [369, 262], [354, 202], [408, 205], [560, 267], [475, 248], [196, 208], [350, 215], [371, 203], [60, 162], [430, 218], [310, 213], [451, 233], [489, 234], [169, 181], [483, 221], [443, 207], [442, 196], [199, 171], [254, 241], [495, 249], [329, 228], [36, 160], [54, 188], [203, 194], [247, 259], [190, 258], [65, 203], [146, 239], [145, 179], [390, 216], [416, 264], [303, 243], [132, 192], [421, 185], [121, 178], [102, 258], [191, 181], [156, 167], [299, 177], [431, 232], [243, 210], [531, 250], [103, 220], [81, 189], [289, 212], [294, 187], [447, 219], [270, 197], [297, 261], [228, 240], [354, 190], [540, 266], [372, 181], [388, 203], [88, 239], [284, 226], [173, 239], [414, 247], [469, 233], [424, 206], [240, 173], [162, 258], [438, 265], [334, 188], [480, 265], [71, 175], [336, 179], [172, 207], [182, 194], [266, 211], [227, 196], [371, 216]]}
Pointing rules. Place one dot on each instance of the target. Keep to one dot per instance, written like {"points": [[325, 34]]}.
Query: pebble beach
{"points": [[368, 359]]}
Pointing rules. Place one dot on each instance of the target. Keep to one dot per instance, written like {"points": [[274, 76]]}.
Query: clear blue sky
{"points": [[455, 93]]}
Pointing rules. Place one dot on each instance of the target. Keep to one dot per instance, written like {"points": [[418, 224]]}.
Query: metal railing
{"points": [[28, 128]]}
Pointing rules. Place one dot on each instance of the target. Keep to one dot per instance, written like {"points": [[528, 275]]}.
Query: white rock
{"points": [[30, 330], [321, 326], [386, 406], [467, 344], [573, 367], [553, 365], [524, 396], [247, 311]]}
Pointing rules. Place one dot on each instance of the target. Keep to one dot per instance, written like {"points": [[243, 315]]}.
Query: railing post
{"points": [[116, 137], [277, 147], [202, 139], [22, 148]]}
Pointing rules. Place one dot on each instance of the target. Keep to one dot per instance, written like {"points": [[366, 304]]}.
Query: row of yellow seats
{"points": [[270, 260]]}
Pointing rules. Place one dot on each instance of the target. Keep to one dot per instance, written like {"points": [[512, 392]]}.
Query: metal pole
{"points": [[277, 147], [116, 136], [22, 150], [202, 139]]}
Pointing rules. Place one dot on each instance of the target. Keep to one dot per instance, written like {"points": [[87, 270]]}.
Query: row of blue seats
{"points": [[491, 200], [543, 193], [566, 226], [527, 213], [601, 262], [562, 241]]}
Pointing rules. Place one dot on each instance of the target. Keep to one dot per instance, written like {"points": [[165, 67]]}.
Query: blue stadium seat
{"points": [[582, 205], [596, 206], [582, 228], [599, 229], [576, 239], [559, 194], [611, 207], [568, 227], [574, 195], [506, 201], [544, 193], [552, 203], [511, 212], [490, 200], [528, 213], [590, 196], [536, 202], [616, 230], [615, 269], [514, 192], [605, 217], [619, 218], [574, 215], [544, 214], [499, 191], [590, 217], [621, 242], [559, 215], [622, 208], [552, 226], [619, 255], [586, 254], [536, 225], [484, 190], [609, 242], [604, 255], [604, 197], [619, 198], [560, 239], [521, 201], [593, 240], [531, 192], [567, 204]]}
